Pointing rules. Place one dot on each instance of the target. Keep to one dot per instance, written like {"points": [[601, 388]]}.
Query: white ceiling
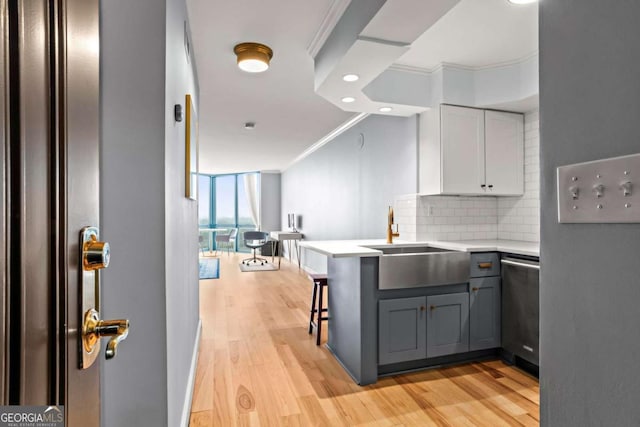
{"points": [[477, 33], [289, 115]]}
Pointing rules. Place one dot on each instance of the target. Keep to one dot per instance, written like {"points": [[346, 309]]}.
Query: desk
{"points": [[278, 237], [211, 231]]}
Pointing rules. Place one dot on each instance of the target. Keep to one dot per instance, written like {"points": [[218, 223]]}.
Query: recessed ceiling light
{"points": [[249, 125], [350, 77], [385, 109], [253, 57], [522, 1], [348, 99]]}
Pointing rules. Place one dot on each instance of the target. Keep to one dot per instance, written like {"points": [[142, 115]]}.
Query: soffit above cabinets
{"points": [[368, 39], [414, 55]]}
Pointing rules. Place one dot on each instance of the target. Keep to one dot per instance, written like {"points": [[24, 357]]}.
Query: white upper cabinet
{"points": [[463, 146], [469, 151], [504, 153]]}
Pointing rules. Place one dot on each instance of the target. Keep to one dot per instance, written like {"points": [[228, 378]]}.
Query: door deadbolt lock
{"points": [[95, 255], [93, 329]]}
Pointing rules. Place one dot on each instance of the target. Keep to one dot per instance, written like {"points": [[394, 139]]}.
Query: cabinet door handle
{"points": [[485, 265], [433, 307], [490, 185], [423, 308], [474, 289], [482, 185]]}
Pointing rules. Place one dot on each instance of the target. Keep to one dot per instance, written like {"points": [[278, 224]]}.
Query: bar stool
{"points": [[319, 283]]}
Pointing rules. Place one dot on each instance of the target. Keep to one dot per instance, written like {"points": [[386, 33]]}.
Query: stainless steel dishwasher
{"points": [[521, 308]]}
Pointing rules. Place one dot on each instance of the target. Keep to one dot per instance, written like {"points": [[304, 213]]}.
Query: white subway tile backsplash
{"points": [[411, 237], [405, 212], [532, 220], [467, 203], [453, 220], [532, 186], [457, 218]]}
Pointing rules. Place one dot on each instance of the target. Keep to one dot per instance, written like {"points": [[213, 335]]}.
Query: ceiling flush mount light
{"points": [[350, 77], [250, 126], [253, 57], [385, 109], [522, 1], [348, 99]]}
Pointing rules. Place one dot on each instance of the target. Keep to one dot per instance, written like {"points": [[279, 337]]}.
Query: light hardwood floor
{"points": [[258, 366]]}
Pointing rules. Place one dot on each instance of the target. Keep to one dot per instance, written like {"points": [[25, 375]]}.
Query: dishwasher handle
{"points": [[520, 264]]}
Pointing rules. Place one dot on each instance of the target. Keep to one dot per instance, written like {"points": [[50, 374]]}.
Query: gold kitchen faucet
{"points": [[390, 233]]}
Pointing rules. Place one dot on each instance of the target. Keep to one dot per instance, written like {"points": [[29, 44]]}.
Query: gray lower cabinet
{"points": [[424, 327], [484, 313], [402, 328], [447, 324]]}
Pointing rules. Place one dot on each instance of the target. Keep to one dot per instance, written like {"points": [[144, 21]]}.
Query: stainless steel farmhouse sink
{"points": [[408, 267]]}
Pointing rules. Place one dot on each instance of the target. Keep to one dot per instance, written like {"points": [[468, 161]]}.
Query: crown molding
{"points": [[329, 22], [439, 67], [508, 63], [328, 137], [409, 69]]}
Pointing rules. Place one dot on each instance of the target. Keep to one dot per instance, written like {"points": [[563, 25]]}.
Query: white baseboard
{"points": [[186, 409]]}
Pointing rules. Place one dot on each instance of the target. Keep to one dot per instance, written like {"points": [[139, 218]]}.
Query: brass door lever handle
{"points": [[118, 330], [94, 328]]}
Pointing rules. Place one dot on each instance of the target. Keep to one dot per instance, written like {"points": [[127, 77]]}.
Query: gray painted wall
{"points": [[343, 190], [151, 227], [270, 192], [132, 45], [181, 219], [589, 109]]}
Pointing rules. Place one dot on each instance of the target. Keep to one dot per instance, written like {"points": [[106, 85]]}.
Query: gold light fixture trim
{"points": [[253, 57]]}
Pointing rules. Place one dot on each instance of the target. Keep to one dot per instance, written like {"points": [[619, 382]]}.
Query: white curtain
{"points": [[253, 197]]}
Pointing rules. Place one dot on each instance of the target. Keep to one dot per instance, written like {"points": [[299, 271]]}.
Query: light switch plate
{"points": [[601, 191]]}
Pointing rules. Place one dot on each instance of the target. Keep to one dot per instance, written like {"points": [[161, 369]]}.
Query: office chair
{"points": [[228, 240], [255, 240]]}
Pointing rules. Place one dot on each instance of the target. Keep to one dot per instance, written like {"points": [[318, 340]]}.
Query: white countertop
{"points": [[358, 248], [511, 246]]}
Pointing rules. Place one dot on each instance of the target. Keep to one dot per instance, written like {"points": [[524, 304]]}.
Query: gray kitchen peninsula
{"points": [[411, 305]]}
